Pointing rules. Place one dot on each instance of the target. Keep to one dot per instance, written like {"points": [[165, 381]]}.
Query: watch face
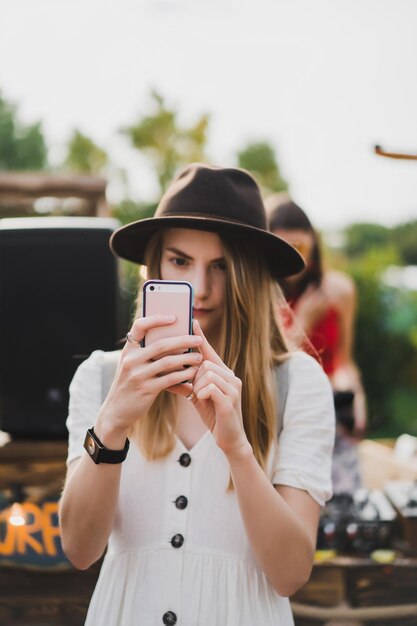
{"points": [[99, 454], [90, 444]]}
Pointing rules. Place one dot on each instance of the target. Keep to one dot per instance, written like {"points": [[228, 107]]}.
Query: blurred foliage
{"points": [[405, 238], [362, 237], [129, 211], [260, 159], [22, 147], [84, 156], [165, 142], [385, 336]]}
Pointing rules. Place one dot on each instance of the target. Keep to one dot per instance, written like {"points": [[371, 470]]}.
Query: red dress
{"points": [[324, 338]]}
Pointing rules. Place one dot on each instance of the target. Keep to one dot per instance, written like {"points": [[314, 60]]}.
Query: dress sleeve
{"points": [[305, 445], [84, 403]]}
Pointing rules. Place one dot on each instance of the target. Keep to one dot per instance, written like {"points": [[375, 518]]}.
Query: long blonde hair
{"points": [[251, 344]]}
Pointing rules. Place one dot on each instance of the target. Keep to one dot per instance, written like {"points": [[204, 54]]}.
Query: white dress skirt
{"points": [[178, 552]]}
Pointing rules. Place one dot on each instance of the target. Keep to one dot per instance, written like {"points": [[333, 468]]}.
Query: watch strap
{"points": [[99, 453]]}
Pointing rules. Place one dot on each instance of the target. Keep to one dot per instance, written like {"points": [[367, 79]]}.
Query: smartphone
{"points": [[169, 297]]}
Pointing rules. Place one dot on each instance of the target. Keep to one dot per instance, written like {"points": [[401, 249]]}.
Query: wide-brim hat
{"points": [[223, 200]]}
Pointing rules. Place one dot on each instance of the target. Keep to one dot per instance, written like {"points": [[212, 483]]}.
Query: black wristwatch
{"points": [[99, 453]]}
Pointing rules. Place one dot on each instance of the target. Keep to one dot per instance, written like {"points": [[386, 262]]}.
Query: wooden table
{"points": [[45, 597], [356, 590]]}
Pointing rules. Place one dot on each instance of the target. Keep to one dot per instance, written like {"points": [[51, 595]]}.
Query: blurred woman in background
{"points": [[322, 311]]}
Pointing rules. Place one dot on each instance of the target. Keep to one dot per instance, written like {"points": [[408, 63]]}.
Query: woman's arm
{"points": [[281, 523], [87, 509], [90, 494], [347, 375], [343, 296]]}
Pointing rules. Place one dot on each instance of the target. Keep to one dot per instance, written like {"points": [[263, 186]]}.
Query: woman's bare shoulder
{"points": [[339, 287]]}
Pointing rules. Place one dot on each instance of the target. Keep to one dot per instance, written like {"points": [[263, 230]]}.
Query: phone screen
{"points": [[169, 298]]}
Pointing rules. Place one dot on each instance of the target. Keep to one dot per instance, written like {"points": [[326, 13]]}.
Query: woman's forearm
{"points": [[282, 538], [89, 499], [347, 376], [87, 510]]}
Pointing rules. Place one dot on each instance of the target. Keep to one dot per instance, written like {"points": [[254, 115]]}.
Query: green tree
{"points": [[22, 147], [361, 237], [165, 142], [404, 236], [260, 159], [385, 343], [128, 210], [85, 156]]}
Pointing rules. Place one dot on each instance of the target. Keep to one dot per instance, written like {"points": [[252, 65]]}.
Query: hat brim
{"points": [[129, 242]]}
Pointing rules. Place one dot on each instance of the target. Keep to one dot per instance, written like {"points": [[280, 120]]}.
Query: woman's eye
{"points": [[221, 266], [178, 261]]}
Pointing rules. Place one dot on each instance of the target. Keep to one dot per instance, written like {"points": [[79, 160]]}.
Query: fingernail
{"points": [[170, 318]]}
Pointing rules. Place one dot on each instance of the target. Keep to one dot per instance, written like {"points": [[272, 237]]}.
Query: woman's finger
{"points": [[215, 374], [213, 393], [168, 381], [212, 378], [141, 325], [205, 348], [185, 390], [222, 371], [173, 363], [170, 346]]}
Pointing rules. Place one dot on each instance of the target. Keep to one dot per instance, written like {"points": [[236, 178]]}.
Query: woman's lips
{"points": [[201, 311]]}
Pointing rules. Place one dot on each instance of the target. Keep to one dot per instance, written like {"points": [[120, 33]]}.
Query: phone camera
{"points": [[152, 288]]}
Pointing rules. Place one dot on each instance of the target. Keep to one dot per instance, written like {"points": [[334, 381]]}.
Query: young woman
{"points": [[324, 304], [212, 517]]}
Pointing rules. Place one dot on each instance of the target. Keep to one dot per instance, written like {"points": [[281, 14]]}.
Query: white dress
{"points": [[178, 552]]}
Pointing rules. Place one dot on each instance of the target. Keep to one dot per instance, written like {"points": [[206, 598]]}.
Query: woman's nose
{"points": [[200, 282]]}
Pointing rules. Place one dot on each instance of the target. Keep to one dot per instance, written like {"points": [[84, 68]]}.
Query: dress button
{"points": [[181, 502], [177, 541], [169, 618], [185, 459]]}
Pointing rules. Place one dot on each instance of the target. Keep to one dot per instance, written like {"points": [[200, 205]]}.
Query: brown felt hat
{"points": [[223, 200]]}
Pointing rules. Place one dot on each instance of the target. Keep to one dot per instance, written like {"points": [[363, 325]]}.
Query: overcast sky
{"points": [[322, 80]]}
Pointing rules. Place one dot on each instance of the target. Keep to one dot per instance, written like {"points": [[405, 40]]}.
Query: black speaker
{"points": [[60, 299]]}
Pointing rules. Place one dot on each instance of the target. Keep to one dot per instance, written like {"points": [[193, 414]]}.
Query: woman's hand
{"points": [[216, 394], [142, 374]]}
